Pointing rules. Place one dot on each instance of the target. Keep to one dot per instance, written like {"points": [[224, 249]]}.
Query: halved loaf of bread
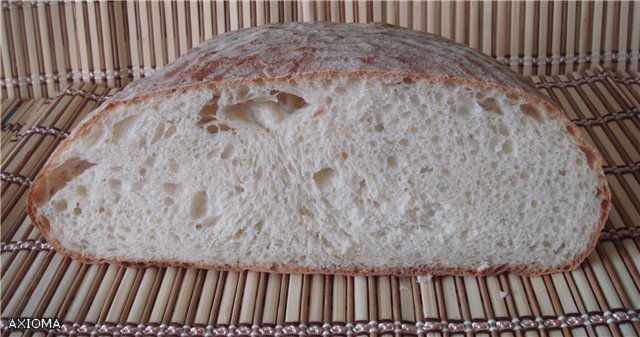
{"points": [[351, 149]]}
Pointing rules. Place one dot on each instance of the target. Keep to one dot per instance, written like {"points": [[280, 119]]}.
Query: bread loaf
{"points": [[318, 147]]}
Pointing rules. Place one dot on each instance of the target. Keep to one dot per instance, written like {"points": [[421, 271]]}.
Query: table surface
{"points": [[600, 298]]}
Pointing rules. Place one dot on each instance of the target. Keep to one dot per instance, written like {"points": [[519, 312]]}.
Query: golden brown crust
{"points": [[494, 77]]}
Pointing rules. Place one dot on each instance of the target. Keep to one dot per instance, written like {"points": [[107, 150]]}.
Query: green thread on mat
{"points": [[6, 118]]}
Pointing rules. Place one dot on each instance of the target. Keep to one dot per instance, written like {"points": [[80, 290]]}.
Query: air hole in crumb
{"points": [[170, 132], [212, 154], [198, 205], [207, 115], [173, 166], [532, 112], [379, 127], [563, 172], [212, 129], [209, 221], [62, 174], [464, 233], [114, 184], [238, 234], [445, 172], [124, 127], [426, 169], [227, 152], [77, 210], [305, 212], [168, 201], [170, 188], [507, 147], [142, 171], [407, 80], [391, 161], [157, 133], [463, 110], [81, 190], [60, 206], [258, 226], [404, 142], [150, 161], [291, 102], [265, 113], [363, 183], [323, 177], [490, 104]]}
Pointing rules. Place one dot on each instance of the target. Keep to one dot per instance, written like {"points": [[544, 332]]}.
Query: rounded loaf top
{"points": [[298, 49]]}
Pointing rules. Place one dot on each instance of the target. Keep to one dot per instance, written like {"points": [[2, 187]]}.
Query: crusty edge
{"points": [[534, 97]]}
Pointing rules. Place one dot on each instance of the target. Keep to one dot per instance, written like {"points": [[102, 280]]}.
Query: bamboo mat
{"points": [[48, 44], [600, 298]]}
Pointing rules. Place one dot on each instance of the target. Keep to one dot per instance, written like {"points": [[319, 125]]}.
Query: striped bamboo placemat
{"points": [[48, 44], [600, 298]]}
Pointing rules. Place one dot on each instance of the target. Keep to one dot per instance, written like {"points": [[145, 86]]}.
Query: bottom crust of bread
{"points": [[42, 223]]}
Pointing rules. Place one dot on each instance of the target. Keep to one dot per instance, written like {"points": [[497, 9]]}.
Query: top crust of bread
{"points": [[297, 49], [319, 50]]}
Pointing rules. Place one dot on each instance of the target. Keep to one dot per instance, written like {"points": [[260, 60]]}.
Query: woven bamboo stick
{"points": [[194, 18], [31, 45], [16, 41], [5, 57], [146, 38], [556, 36], [516, 35], [487, 28], [612, 13], [46, 64], [159, 47], [94, 45], [133, 38], [182, 22], [635, 38]]}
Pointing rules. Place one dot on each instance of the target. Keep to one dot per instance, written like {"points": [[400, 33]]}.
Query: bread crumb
{"points": [[343, 155], [482, 267], [504, 294], [423, 279]]}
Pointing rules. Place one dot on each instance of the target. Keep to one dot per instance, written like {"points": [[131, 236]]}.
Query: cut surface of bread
{"points": [[325, 170]]}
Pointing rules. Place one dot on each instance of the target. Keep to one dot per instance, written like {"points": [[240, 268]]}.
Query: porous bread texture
{"points": [[336, 173]]}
